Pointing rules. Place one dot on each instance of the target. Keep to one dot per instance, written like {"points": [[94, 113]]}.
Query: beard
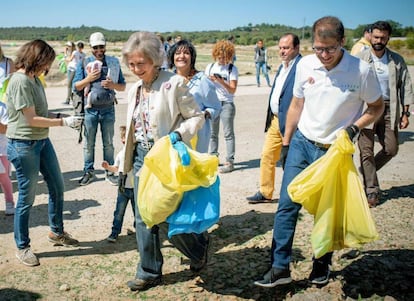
{"points": [[379, 46]]}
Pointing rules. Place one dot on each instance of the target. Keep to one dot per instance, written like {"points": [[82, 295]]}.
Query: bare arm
{"points": [[111, 168], [292, 118], [371, 114], [231, 87], [3, 128], [109, 84], [92, 76], [41, 122]]}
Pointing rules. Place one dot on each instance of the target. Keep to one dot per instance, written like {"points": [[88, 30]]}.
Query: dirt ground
{"points": [[98, 270]]}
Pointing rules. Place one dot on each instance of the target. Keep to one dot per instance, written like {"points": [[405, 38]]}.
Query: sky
{"points": [[199, 15]]}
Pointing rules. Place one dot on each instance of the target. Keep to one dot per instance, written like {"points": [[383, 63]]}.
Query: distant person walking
{"points": [[260, 59], [70, 69], [364, 42]]}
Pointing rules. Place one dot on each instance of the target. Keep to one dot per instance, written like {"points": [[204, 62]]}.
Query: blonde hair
{"points": [[223, 47]]}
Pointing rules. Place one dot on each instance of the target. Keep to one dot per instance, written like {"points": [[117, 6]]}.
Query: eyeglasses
{"points": [[330, 50], [98, 47]]}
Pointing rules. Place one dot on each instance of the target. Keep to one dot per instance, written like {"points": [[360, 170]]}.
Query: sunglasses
{"points": [[98, 47]]}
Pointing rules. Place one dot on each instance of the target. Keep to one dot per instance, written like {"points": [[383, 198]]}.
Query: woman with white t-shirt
{"points": [[73, 57], [224, 76]]}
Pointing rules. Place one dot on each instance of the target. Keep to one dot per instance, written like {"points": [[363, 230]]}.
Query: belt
{"points": [[320, 145]]}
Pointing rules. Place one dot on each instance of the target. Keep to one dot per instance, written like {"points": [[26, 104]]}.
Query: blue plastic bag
{"points": [[198, 211]]}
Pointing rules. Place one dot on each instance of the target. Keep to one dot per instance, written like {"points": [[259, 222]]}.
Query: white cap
{"points": [[96, 39], [69, 43]]}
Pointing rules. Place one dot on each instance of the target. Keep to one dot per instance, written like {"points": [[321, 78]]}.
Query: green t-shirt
{"points": [[24, 92]]}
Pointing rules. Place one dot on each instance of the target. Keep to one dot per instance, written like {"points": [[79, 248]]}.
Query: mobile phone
{"points": [[217, 75]]}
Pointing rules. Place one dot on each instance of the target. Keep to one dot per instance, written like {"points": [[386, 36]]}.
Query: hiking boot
{"points": [[27, 257], [112, 238], [320, 272], [198, 266], [9, 208], [142, 285], [111, 178], [228, 167], [274, 277], [373, 199], [87, 178], [64, 239], [258, 198]]}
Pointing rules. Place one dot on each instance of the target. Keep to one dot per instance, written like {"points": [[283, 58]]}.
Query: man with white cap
{"points": [[103, 81]]}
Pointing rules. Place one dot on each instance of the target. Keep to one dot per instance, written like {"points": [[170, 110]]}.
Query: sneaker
{"points": [[227, 167], [258, 198], [320, 272], [64, 239], [111, 238], [87, 178], [27, 257], [198, 266], [9, 208], [130, 232], [112, 178], [274, 277], [142, 285]]}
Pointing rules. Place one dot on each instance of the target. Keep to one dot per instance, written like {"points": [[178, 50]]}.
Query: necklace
{"points": [[190, 75], [147, 86]]}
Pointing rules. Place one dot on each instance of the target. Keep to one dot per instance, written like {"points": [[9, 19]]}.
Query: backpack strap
{"points": [[7, 65], [230, 69], [211, 66]]}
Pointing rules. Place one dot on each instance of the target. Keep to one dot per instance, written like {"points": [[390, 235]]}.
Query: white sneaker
{"points": [[27, 257], [9, 208]]}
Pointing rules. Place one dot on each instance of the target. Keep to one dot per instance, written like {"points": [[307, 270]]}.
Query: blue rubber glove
{"points": [[174, 137], [180, 147]]}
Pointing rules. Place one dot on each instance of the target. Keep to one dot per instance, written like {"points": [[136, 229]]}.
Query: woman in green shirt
{"points": [[29, 148]]}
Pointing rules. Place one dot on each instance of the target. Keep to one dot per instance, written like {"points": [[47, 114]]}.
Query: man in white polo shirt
{"points": [[330, 90]]}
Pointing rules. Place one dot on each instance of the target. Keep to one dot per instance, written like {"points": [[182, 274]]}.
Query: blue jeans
{"points": [[192, 245], [70, 76], [301, 154], [121, 204], [30, 157], [262, 66], [227, 114], [104, 117]]}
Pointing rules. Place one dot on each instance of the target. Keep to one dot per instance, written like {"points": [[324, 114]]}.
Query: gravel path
{"points": [[97, 270]]}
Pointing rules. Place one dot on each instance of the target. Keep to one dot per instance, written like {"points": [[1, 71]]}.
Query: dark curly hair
{"points": [[183, 44]]}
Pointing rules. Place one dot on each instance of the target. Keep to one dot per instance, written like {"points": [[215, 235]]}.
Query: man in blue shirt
{"points": [[101, 82]]}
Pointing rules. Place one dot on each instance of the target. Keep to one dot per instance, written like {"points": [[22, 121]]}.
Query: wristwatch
{"points": [[406, 113]]}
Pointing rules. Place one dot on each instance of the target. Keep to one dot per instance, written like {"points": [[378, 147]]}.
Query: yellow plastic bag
{"points": [[330, 189], [163, 180]]}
